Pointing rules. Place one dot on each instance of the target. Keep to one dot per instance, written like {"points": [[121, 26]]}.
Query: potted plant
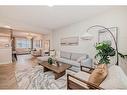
{"points": [[105, 51], [50, 60]]}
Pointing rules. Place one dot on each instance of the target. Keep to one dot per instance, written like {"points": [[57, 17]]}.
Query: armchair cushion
{"points": [[81, 75], [99, 74], [78, 82]]}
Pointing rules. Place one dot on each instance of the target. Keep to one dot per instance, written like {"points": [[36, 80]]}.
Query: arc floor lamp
{"points": [[89, 36]]}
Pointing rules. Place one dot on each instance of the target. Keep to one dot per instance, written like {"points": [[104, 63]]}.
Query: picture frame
{"points": [[70, 41]]}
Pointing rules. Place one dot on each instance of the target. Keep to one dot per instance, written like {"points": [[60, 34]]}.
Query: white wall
{"points": [[47, 37], [5, 55], [116, 17], [111, 18]]}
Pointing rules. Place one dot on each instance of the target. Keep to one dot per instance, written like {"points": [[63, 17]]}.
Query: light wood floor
{"points": [[7, 71]]}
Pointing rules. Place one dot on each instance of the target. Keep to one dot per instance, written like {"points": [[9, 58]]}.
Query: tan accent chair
{"points": [[116, 79]]}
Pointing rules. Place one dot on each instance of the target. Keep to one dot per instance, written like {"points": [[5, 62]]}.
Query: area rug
{"points": [[35, 78]]}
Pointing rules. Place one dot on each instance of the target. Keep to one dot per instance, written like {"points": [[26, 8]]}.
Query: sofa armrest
{"points": [[86, 65], [73, 85], [87, 62]]}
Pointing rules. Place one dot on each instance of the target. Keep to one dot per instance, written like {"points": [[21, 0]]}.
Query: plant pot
{"points": [[57, 63]]}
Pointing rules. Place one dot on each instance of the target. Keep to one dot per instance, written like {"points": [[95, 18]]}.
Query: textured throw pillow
{"points": [[98, 75]]}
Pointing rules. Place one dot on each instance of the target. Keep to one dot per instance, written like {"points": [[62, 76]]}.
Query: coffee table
{"points": [[58, 71]]}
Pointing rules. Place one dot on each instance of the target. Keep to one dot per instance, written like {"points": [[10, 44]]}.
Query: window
{"points": [[37, 43], [23, 43]]}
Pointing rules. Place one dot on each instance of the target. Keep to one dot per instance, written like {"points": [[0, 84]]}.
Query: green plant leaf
{"points": [[104, 50], [121, 55]]}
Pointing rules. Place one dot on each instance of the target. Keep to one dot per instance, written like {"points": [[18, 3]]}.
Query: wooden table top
{"points": [[62, 67]]}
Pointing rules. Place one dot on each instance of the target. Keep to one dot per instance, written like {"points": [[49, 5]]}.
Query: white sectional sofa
{"points": [[75, 59]]}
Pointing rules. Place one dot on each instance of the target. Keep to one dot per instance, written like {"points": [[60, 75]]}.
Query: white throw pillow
{"points": [[81, 58]]}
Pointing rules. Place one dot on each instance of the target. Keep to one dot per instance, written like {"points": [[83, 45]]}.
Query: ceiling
{"points": [[43, 18]]}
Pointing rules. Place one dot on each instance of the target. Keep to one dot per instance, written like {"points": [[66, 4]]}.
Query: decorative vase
{"points": [[57, 63]]}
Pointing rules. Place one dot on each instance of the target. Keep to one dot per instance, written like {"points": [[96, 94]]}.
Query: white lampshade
{"points": [[87, 36]]}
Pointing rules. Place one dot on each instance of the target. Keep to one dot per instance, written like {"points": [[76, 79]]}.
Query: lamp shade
{"points": [[87, 36]]}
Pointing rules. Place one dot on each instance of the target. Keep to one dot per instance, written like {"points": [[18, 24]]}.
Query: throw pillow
{"points": [[98, 75], [81, 58]]}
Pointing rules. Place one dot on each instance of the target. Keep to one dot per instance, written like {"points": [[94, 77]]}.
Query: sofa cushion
{"points": [[78, 82], [116, 79], [73, 63], [76, 56], [65, 55], [81, 75]]}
